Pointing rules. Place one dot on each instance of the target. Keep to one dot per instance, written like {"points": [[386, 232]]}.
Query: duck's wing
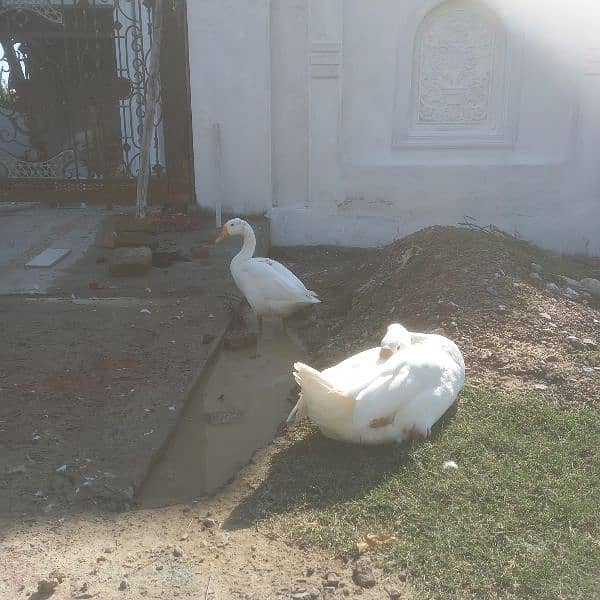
{"points": [[276, 282], [354, 371], [283, 272], [394, 391]]}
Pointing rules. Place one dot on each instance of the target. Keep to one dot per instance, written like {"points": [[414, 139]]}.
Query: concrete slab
{"points": [[24, 234], [48, 258]]}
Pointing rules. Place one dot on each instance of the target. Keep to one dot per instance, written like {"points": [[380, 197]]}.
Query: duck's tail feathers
{"points": [[310, 379], [322, 402], [313, 298]]}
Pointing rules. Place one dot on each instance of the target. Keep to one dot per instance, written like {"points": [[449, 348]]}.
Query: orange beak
{"points": [[224, 234], [385, 353]]}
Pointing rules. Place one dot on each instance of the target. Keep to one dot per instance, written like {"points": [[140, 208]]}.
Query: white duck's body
{"points": [[270, 288], [369, 401]]}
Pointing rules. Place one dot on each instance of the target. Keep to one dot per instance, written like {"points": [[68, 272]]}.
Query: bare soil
{"points": [[475, 285]]}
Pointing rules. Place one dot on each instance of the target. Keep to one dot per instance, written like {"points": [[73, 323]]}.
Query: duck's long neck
{"points": [[248, 247]]}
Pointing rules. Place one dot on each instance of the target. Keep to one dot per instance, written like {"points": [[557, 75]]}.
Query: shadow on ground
{"points": [[315, 473]]}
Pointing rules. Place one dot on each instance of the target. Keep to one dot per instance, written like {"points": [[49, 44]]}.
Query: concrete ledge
{"points": [[313, 227]]}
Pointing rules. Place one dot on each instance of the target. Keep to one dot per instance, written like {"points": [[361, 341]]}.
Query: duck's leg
{"points": [[260, 325], [415, 435], [259, 321]]}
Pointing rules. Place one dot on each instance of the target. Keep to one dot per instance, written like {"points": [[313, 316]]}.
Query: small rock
{"points": [[570, 293], [501, 308], [545, 316], [552, 287], [394, 594], [540, 387], [178, 552], [450, 464], [535, 276], [123, 585], [159, 567], [492, 291], [591, 285], [590, 344], [310, 593], [108, 550], [575, 342], [537, 268], [363, 575], [569, 282], [58, 575], [209, 523], [184, 537], [331, 580]]}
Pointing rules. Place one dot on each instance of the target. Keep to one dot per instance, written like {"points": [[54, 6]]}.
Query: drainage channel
{"points": [[238, 409]]}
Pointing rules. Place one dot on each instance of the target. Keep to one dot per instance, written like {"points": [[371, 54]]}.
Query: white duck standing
{"points": [[387, 394], [270, 288]]}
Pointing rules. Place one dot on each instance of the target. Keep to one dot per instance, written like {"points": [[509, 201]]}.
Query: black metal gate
{"points": [[72, 99]]}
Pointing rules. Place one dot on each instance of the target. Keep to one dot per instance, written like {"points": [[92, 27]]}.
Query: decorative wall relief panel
{"points": [[455, 62], [460, 90]]}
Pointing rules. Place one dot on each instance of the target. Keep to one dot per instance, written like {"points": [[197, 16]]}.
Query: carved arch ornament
{"points": [[462, 83], [42, 8]]}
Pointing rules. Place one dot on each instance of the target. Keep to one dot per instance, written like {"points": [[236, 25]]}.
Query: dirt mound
{"points": [[501, 299]]}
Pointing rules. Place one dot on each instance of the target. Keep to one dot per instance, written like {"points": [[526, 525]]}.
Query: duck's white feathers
{"points": [[271, 288], [366, 400], [333, 406]]}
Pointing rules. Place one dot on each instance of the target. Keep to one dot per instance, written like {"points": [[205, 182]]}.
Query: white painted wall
{"points": [[356, 123], [230, 72]]}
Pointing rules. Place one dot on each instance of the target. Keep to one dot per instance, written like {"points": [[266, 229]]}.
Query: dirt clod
{"points": [[363, 575]]}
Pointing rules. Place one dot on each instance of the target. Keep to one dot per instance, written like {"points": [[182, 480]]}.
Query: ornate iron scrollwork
{"points": [[55, 168], [42, 8]]}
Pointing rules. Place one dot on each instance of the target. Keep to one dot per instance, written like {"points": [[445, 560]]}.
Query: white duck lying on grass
{"points": [[270, 288], [387, 394]]}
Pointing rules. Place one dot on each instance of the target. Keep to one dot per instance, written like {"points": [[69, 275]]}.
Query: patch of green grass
{"points": [[519, 518]]}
